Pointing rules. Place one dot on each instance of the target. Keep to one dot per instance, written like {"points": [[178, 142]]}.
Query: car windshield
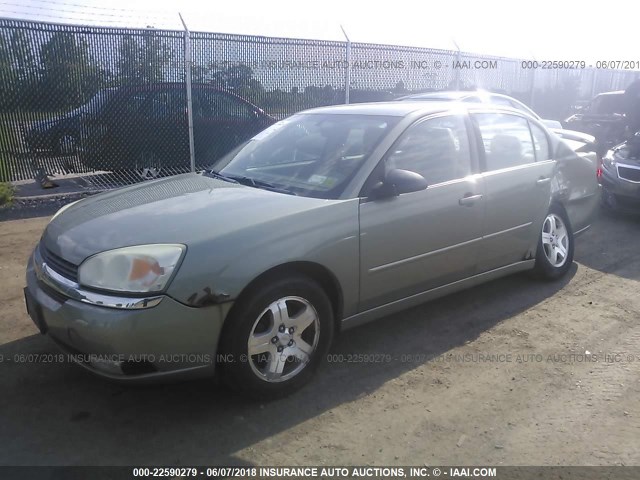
{"points": [[312, 155], [95, 104]]}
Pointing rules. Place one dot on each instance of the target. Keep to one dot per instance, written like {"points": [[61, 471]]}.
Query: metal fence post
{"points": [[532, 96], [458, 58], [187, 66], [593, 82], [347, 74]]}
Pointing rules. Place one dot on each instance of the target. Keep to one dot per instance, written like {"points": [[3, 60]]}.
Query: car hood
{"points": [[595, 117], [573, 135], [46, 124], [183, 209], [628, 152]]}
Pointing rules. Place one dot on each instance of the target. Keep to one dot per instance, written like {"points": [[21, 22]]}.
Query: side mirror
{"points": [[396, 182]]}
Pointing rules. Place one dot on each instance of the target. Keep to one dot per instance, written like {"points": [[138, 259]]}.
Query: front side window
{"points": [[437, 149], [506, 140]]}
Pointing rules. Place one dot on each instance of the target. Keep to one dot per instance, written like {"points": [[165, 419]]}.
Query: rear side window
{"points": [[540, 142], [506, 139], [437, 149], [163, 104], [216, 105]]}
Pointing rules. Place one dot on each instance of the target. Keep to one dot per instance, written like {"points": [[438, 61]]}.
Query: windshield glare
{"points": [[312, 155]]}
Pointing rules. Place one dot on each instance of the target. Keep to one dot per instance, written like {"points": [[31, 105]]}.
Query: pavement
{"points": [[512, 372]]}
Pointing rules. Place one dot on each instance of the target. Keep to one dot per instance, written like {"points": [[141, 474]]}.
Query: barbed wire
{"points": [[124, 17]]}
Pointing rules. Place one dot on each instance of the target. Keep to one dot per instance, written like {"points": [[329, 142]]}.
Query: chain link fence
{"points": [[113, 106]]}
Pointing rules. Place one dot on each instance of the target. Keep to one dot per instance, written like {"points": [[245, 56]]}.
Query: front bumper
{"points": [[167, 341], [619, 194]]}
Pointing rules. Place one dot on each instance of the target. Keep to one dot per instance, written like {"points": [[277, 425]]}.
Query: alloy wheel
{"points": [[283, 339], [555, 240]]}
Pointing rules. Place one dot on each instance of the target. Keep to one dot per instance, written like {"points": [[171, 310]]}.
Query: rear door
{"points": [[517, 175]]}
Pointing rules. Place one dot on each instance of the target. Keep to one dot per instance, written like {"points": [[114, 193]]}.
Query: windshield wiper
{"points": [[252, 182], [214, 174]]}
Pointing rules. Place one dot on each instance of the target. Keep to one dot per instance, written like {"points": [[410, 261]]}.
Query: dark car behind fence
{"points": [[112, 103]]}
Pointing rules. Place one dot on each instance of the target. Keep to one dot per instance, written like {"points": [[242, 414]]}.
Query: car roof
{"points": [[404, 108], [162, 85], [615, 92], [444, 95]]}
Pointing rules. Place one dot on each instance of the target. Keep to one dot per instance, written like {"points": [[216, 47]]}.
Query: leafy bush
{"points": [[6, 194]]}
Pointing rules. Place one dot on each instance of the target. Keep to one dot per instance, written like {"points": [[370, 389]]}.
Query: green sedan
{"points": [[326, 220]]}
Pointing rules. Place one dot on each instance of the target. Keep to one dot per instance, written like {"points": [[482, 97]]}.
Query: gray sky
{"points": [[544, 29]]}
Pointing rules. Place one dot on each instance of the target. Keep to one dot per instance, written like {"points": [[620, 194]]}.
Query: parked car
{"points": [[619, 176], [604, 118], [145, 128], [326, 220], [483, 97], [480, 96], [60, 135]]}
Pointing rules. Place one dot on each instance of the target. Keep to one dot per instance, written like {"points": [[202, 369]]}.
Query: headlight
{"points": [[609, 160], [63, 209], [138, 269]]}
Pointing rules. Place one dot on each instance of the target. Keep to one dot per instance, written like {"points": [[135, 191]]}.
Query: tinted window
{"points": [[208, 104], [437, 149], [540, 142], [506, 140], [169, 103], [608, 104]]}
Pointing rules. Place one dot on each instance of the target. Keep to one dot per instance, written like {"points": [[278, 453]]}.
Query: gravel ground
{"points": [[514, 372]]}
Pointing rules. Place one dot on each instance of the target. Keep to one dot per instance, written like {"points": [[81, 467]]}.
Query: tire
{"points": [[608, 201], [148, 165], [67, 144], [253, 336], [554, 255]]}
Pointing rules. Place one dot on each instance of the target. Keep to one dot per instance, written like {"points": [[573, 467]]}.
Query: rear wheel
{"points": [[555, 245], [275, 339], [148, 165]]}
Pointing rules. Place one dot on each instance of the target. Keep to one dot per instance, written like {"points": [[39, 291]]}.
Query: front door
{"points": [[420, 240]]}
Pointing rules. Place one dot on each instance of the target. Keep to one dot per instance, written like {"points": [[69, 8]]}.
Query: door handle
{"points": [[468, 200], [543, 181]]}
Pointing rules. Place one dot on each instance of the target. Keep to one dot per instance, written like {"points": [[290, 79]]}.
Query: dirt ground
{"points": [[514, 372]]}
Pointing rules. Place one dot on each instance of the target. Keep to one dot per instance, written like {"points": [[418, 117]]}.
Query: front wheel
{"points": [[555, 245], [275, 339]]}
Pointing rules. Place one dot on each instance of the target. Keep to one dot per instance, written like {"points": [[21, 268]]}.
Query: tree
{"points": [[23, 56], [27, 72], [400, 88], [235, 77], [69, 76], [143, 61], [8, 76]]}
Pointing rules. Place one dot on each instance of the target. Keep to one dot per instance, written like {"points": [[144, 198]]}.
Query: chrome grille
{"points": [[628, 173], [58, 264]]}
